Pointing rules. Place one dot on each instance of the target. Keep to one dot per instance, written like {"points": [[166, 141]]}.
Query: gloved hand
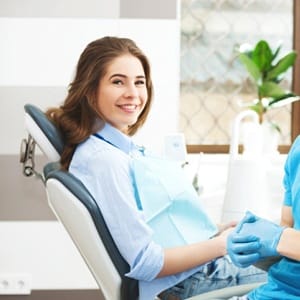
{"points": [[243, 249], [267, 232]]}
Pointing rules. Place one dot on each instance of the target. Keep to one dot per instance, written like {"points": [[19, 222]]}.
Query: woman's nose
{"points": [[131, 91]]}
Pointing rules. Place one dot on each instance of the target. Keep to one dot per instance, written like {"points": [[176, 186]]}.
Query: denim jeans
{"points": [[217, 274]]}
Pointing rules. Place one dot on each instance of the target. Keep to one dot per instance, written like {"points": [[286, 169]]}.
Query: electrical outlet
{"points": [[15, 283]]}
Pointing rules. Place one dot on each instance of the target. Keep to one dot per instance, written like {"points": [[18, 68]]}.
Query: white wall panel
{"points": [[45, 251], [44, 52]]}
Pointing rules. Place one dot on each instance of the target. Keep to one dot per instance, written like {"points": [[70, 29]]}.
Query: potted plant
{"points": [[267, 71]]}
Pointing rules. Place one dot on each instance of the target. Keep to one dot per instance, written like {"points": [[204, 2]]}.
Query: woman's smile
{"points": [[122, 92]]}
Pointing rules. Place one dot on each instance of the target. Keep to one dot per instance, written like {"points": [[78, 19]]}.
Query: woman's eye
{"points": [[140, 82], [117, 82]]}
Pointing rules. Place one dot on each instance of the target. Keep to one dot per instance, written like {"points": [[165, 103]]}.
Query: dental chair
{"points": [[77, 210]]}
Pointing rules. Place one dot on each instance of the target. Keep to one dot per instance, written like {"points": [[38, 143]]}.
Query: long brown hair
{"points": [[76, 116]]}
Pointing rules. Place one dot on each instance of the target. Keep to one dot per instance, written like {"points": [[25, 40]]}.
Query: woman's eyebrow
{"points": [[117, 75], [124, 76]]}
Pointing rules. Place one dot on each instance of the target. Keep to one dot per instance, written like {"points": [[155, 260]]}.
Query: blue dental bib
{"points": [[171, 206]]}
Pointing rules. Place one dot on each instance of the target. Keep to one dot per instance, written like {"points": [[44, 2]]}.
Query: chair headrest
{"points": [[44, 132]]}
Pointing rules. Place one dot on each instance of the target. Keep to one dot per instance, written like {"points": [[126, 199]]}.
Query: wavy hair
{"points": [[76, 117]]}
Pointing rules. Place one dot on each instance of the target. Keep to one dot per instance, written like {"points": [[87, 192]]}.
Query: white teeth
{"points": [[129, 105]]}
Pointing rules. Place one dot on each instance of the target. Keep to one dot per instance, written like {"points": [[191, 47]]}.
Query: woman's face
{"points": [[122, 92]]}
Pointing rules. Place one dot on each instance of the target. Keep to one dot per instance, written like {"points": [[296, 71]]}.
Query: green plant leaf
{"points": [[251, 67], [256, 107], [271, 89], [275, 54], [275, 126], [286, 99], [282, 66], [262, 56]]}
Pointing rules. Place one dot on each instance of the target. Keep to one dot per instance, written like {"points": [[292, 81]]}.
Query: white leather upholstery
{"points": [[77, 221]]}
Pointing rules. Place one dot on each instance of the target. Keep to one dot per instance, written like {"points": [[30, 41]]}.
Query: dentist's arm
{"points": [[287, 216], [289, 243]]}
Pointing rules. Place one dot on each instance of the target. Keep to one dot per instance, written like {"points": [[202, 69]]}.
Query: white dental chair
{"points": [[77, 210]]}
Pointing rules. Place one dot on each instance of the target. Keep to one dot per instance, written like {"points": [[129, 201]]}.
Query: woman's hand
{"points": [[226, 226], [222, 237]]}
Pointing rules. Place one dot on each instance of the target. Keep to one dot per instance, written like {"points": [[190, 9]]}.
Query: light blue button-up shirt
{"points": [[104, 167]]}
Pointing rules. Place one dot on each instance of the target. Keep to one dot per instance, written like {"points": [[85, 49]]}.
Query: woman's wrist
{"points": [[221, 241]]}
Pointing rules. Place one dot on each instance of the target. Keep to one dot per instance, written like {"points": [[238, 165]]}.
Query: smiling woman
{"points": [[152, 211], [122, 92], [88, 106]]}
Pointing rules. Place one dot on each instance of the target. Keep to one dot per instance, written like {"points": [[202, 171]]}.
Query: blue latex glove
{"points": [[267, 232], [243, 250]]}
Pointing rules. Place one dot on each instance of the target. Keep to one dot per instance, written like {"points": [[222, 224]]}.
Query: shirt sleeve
{"points": [[286, 184], [107, 176], [291, 172]]}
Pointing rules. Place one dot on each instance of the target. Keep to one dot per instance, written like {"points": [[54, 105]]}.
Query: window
{"points": [[213, 82]]}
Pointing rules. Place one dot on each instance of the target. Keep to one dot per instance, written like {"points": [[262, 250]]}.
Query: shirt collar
{"points": [[117, 138]]}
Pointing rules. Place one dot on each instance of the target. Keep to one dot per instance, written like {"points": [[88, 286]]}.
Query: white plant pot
{"points": [[259, 139]]}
